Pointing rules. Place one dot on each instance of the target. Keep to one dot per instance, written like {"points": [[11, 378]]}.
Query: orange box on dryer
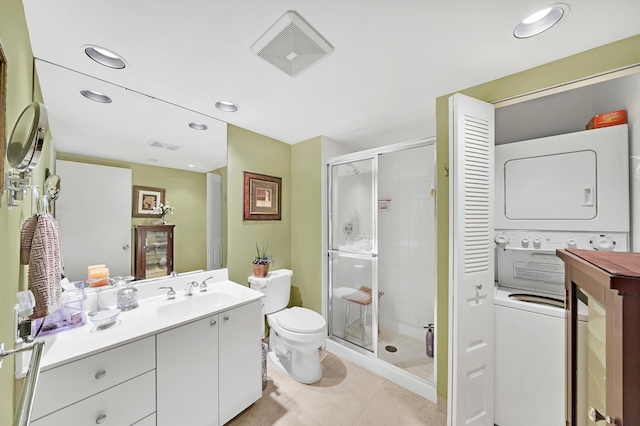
{"points": [[608, 119]]}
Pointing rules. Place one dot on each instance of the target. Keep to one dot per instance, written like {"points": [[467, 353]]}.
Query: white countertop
{"points": [[146, 320]]}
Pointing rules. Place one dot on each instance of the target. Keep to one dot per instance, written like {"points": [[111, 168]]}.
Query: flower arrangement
{"points": [[163, 210], [262, 257]]}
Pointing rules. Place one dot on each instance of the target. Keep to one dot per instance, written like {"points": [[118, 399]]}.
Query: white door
{"points": [[214, 221], [94, 213], [471, 261]]}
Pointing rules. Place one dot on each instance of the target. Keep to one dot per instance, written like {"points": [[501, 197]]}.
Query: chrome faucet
{"points": [[203, 286], [171, 294], [189, 290]]}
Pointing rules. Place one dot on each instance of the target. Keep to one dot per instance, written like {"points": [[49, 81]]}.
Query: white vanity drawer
{"points": [[64, 385], [147, 421], [121, 405]]}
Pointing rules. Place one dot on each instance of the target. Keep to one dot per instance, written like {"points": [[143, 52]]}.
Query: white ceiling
{"points": [[391, 60]]}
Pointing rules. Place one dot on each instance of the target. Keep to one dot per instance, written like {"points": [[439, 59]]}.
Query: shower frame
{"points": [[369, 358]]}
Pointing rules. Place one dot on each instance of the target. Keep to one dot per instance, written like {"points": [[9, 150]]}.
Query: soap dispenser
{"points": [[127, 296], [429, 340]]}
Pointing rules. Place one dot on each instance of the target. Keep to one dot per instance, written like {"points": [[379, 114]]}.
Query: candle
{"points": [[98, 277], [92, 267]]}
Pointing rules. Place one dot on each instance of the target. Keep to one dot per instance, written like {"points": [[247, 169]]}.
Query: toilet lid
{"points": [[300, 320]]}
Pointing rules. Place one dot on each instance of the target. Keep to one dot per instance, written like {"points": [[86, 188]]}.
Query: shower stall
{"points": [[381, 281]]}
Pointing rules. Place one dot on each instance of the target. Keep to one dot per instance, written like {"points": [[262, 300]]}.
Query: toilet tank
{"points": [[277, 287]]}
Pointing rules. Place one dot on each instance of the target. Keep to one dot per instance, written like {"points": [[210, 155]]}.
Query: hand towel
{"points": [[26, 235], [45, 266]]}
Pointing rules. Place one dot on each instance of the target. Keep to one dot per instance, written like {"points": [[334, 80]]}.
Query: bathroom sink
{"points": [[190, 306]]}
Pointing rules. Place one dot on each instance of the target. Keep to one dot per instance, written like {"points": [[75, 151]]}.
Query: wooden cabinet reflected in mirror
{"points": [[154, 251]]}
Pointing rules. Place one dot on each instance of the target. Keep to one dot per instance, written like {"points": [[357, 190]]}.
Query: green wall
{"points": [[306, 223], [596, 61], [20, 85], [252, 152], [186, 191]]}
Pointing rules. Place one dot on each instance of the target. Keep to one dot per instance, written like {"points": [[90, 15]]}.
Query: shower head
{"points": [[354, 170]]}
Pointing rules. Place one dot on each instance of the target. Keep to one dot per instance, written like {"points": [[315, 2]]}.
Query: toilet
{"points": [[296, 333]]}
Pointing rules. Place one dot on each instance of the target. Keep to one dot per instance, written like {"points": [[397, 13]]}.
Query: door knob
{"points": [[595, 416]]}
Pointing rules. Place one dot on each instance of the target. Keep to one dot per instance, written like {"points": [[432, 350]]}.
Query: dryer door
{"points": [[551, 187]]}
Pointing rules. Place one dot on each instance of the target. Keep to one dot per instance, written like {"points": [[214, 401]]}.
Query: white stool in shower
{"points": [[362, 297]]}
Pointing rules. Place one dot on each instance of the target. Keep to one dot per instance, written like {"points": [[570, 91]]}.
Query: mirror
{"points": [[24, 148], [27, 137]]}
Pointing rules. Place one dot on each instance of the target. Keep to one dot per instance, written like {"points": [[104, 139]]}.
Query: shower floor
{"points": [[410, 355]]}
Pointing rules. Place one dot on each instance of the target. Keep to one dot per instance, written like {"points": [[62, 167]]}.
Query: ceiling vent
{"points": [[291, 44], [157, 144]]}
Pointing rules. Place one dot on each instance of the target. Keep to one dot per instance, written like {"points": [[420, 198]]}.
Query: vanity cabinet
{"points": [[240, 358], [209, 370], [188, 374], [116, 386], [609, 283], [153, 251]]}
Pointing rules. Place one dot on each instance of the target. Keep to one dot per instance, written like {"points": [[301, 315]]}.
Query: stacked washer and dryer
{"points": [[565, 191]]}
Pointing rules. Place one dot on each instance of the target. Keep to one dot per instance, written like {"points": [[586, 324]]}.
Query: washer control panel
{"points": [[552, 240]]}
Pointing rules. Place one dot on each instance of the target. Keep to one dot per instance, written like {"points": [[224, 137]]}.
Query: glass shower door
{"points": [[353, 253]]}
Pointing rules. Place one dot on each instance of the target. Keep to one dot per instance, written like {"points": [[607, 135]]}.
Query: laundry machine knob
{"points": [[537, 243], [571, 243], [602, 243], [525, 242], [501, 240]]}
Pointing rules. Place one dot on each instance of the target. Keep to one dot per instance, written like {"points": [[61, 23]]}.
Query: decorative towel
{"points": [[26, 235], [45, 265]]}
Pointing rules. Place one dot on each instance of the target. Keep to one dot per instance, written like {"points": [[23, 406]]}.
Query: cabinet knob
{"points": [[226, 317], [213, 323], [101, 419], [100, 374], [595, 416]]}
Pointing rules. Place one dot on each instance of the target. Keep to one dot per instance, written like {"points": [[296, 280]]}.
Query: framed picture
{"points": [[262, 197], [145, 199]]}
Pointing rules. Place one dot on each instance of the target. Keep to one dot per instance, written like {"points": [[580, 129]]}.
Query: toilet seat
{"points": [[300, 320]]}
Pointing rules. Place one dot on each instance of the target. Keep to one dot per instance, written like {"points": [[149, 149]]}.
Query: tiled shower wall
{"points": [[406, 240]]}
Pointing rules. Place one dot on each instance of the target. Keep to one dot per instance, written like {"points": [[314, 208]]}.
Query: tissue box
{"points": [[607, 119]]}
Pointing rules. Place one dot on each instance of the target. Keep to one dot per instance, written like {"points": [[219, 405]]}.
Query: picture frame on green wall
{"points": [[262, 197], [145, 199]]}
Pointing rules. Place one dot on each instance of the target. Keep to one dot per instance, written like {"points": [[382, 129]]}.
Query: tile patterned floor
{"points": [[347, 395]]}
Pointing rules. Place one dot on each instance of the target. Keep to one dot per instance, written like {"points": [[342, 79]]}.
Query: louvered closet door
{"points": [[471, 261]]}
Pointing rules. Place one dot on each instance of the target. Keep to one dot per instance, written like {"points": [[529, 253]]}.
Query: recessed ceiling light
{"points": [[96, 96], [105, 57], [540, 21], [191, 166], [226, 106], [198, 126]]}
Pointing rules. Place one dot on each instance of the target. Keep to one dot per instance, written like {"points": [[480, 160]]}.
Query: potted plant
{"points": [[261, 261]]}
